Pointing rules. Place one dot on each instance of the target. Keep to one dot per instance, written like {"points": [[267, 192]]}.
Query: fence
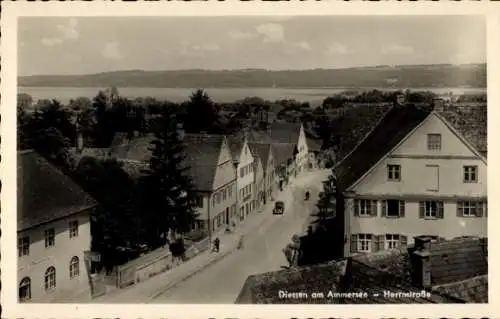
{"points": [[146, 266], [153, 263]]}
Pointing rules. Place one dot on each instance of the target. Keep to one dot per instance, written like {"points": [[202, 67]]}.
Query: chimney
{"points": [[438, 105], [180, 131], [420, 262]]}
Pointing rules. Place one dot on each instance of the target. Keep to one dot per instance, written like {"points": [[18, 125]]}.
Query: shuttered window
{"points": [[470, 209], [431, 209]]}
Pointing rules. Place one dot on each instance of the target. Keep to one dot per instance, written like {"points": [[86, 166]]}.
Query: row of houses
{"points": [[233, 176]]}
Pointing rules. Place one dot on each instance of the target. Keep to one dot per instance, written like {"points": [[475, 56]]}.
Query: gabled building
{"points": [[266, 154], [210, 167], [454, 271], [259, 183], [282, 134], [53, 232], [245, 165], [290, 147], [414, 174]]}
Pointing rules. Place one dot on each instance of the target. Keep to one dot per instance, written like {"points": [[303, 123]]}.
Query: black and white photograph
{"points": [[251, 159]]}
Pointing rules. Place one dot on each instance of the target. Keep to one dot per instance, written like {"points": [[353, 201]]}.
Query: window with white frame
{"points": [[50, 237], [364, 242], [394, 173], [431, 209], [23, 246], [391, 241], [434, 142], [74, 267], [25, 289], [366, 207], [470, 174], [470, 208], [50, 278], [73, 228]]}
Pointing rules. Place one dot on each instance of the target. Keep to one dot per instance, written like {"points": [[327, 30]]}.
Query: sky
{"points": [[86, 45]]}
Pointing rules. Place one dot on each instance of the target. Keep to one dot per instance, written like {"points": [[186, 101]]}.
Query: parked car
{"points": [[279, 208]]}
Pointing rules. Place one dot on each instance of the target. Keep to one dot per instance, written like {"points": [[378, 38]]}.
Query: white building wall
{"points": [[59, 256]]}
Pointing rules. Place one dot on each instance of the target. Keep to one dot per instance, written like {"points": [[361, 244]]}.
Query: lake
{"points": [[312, 95]]}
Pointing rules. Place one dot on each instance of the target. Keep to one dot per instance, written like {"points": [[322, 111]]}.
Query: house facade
{"points": [[259, 186], [265, 152], [245, 169], [212, 171], [427, 180], [53, 233]]}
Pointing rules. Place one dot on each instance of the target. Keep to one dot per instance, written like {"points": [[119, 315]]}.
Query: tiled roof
{"points": [[45, 193], [393, 127], [264, 288], [471, 125], [135, 149], [377, 272], [261, 150], [283, 152], [313, 144], [472, 290], [285, 132], [202, 154]]}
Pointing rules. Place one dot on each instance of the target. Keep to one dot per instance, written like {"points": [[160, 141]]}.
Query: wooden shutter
{"points": [[486, 209], [356, 207], [421, 209], [460, 209], [401, 208], [403, 241], [374, 243], [384, 208], [479, 211], [380, 242], [354, 243], [440, 210], [373, 204]]}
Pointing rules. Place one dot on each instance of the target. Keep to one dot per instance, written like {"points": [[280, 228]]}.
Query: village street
{"points": [[222, 281]]}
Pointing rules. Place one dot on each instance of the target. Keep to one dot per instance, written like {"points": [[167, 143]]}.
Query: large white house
{"points": [[53, 233], [414, 174]]}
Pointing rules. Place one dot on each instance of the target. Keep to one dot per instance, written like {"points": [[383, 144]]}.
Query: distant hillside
{"points": [[415, 76]]}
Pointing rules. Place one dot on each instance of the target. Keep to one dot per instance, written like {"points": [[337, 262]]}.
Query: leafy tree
{"points": [[103, 130], [24, 101], [117, 221], [166, 188], [201, 113], [50, 132]]}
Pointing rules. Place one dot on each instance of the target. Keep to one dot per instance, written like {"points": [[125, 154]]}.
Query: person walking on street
{"points": [[216, 244]]}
